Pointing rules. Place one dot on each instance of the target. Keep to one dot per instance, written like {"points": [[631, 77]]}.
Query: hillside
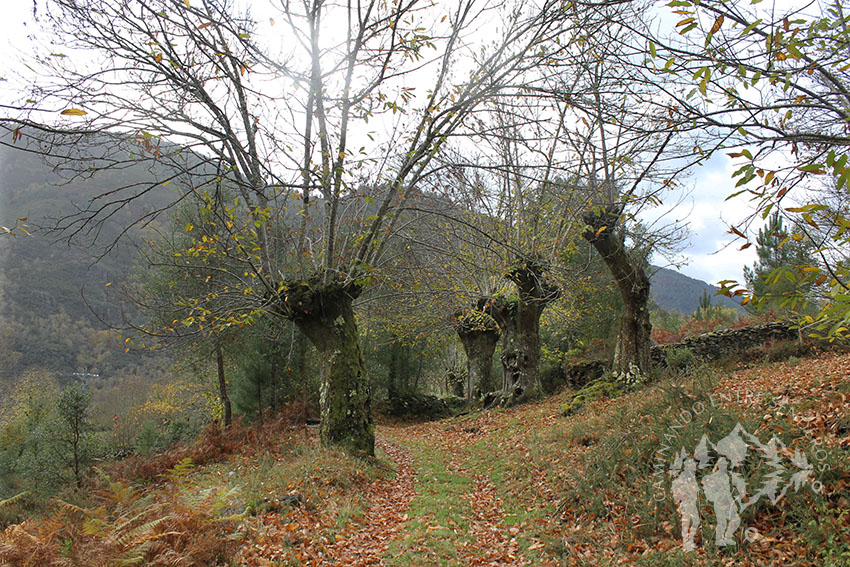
{"points": [[673, 291], [52, 291], [55, 300], [524, 486]]}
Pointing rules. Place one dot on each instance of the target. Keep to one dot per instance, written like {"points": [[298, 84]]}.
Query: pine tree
{"points": [[774, 279]]}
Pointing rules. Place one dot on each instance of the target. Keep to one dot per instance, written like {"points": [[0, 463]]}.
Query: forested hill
{"points": [[45, 319], [45, 322], [673, 291]]}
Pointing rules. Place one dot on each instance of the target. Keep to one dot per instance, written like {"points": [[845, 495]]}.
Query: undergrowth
{"points": [[623, 477], [190, 505], [124, 526]]}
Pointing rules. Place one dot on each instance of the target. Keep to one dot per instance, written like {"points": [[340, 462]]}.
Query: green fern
{"points": [[134, 556], [181, 469]]}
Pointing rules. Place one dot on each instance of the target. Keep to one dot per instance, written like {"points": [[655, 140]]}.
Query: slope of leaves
{"points": [[348, 518], [523, 486], [610, 505]]}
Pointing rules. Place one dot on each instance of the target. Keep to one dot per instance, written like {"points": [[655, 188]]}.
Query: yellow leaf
{"points": [[108, 284], [73, 112], [187, 4], [158, 58]]}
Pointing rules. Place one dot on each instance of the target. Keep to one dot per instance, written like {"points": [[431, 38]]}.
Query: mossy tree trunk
{"points": [[479, 334], [519, 320], [324, 313], [632, 353]]}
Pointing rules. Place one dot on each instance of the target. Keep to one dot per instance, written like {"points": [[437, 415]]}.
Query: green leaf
{"points": [[839, 165], [811, 207], [843, 179], [750, 27], [795, 53]]}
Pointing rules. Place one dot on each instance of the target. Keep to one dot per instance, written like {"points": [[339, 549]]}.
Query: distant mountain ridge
{"points": [[673, 291]]}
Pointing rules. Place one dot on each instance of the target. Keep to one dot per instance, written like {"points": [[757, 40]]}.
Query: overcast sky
{"points": [[708, 255]]}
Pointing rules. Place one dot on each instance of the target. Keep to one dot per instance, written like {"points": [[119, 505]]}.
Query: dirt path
{"points": [[492, 542], [367, 543], [457, 498], [475, 503], [502, 488], [307, 536]]}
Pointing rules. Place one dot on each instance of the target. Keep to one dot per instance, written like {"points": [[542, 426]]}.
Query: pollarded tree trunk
{"points": [[478, 333], [632, 354], [519, 320], [325, 314]]}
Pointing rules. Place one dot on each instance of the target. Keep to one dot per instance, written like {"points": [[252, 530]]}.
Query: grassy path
{"points": [[477, 502], [527, 486], [384, 518]]}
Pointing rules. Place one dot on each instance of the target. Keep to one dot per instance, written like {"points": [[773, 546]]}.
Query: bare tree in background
{"points": [[298, 125], [620, 153]]}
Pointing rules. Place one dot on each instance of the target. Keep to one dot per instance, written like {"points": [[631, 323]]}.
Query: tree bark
{"points": [[519, 320], [478, 333], [222, 385], [632, 353], [325, 314]]}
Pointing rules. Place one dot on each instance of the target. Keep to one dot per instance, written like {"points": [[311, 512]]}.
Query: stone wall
{"points": [[711, 346]]}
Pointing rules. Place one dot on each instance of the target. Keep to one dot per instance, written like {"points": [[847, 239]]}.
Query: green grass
{"points": [[438, 514]]}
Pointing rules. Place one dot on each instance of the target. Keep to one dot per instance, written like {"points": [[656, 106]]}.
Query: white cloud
{"points": [[712, 254]]}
